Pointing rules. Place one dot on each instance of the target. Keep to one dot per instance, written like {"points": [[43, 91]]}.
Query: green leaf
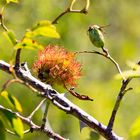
{"points": [[15, 122], [5, 121], [15, 1], [2, 131], [11, 36], [16, 104], [135, 128], [11, 101], [94, 136], [28, 44], [43, 28], [129, 74]]}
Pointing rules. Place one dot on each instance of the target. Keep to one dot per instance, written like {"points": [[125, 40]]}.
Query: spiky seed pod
{"points": [[55, 65]]}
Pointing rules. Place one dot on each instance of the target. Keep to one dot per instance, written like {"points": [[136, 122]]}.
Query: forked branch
{"points": [[71, 10], [106, 55]]}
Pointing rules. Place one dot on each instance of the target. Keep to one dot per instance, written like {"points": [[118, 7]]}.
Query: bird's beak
{"points": [[89, 28]]}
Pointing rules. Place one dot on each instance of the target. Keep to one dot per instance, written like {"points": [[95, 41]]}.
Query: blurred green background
{"points": [[122, 40]]}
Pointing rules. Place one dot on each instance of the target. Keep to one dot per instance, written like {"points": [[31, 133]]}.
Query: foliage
{"points": [[135, 129], [43, 28], [8, 1], [10, 101], [122, 39], [134, 72], [2, 131]]}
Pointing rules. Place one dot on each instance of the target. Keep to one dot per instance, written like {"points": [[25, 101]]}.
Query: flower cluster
{"points": [[56, 65]]}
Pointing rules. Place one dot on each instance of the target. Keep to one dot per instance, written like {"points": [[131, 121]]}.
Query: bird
{"points": [[96, 36]]}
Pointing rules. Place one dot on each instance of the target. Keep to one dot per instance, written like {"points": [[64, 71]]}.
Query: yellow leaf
{"points": [[15, 1], [15, 122], [28, 44], [17, 104], [43, 28], [18, 126], [11, 101]]}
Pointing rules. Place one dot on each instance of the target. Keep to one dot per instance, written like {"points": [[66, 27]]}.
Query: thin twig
{"points": [[115, 63], [10, 132], [77, 95], [36, 109], [9, 82], [2, 23], [96, 52], [87, 5], [13, 133], [117, 66], [122, 92], [59, 16], [70, 10], [2, 19], [71, 4], [27, 131], [17, 60], [106, 55], [45, 113]]}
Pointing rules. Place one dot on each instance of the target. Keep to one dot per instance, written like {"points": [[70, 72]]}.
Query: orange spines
{"points": [[56, 65]]}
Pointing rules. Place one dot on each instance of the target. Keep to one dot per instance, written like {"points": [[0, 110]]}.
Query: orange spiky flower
{"points": [[56, 65]]}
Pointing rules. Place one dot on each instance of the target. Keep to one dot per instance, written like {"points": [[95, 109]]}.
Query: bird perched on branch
{"points": [[96, 36]]}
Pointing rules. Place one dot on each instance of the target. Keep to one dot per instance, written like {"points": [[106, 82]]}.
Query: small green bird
{"points": [[95, 33]]}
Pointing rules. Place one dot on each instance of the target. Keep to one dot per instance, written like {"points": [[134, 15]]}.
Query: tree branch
{"points": [[106, 55], [121, 94], [2, 23], [70, 10], [36, 109], [17, 61], [2, 18], [60, 101], [113, 61], [34, 126]]}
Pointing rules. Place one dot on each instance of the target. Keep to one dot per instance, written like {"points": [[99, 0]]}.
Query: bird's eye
{"points": [[90, 28]]}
